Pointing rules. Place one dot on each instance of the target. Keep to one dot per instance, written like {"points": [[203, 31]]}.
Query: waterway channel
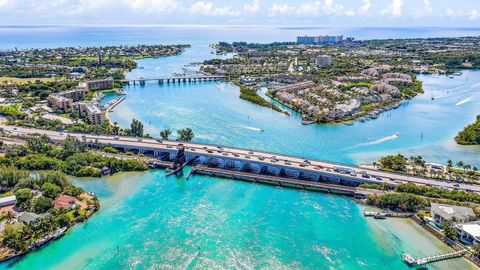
{"points": [[168, 223]]}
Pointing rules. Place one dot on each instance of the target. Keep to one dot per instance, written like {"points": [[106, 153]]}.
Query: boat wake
{"points": [[379, 141], [250, 128], [463, 101]]}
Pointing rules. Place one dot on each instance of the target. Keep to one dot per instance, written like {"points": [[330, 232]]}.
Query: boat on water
{"points": [[59, 232], [218, 85], [380, 215]]}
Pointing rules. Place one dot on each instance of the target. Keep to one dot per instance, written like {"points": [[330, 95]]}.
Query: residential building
{"points": [[91, 111], [98, 84], [28, 217], [323, 60], [56, 101], [319, 39], [64, 100], [65, 201], [450, 213], [468, 233], [9, 200]]}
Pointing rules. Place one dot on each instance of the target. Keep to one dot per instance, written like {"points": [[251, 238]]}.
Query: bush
{"points": [[24, 196], [50, 190], [42, 204]]}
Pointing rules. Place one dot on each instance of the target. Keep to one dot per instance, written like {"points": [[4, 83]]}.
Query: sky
{"points": [[330, 13]]}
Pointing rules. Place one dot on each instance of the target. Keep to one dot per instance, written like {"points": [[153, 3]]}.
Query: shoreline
{"points": [[52, 238]]}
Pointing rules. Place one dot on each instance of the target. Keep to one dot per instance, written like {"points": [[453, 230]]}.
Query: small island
{"points": [[470, 135]]}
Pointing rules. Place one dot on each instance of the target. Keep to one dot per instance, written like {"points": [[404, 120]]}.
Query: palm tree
{"points": [[460, 164], [164, 134], [9, 216], [185, 135], [449, 163]]}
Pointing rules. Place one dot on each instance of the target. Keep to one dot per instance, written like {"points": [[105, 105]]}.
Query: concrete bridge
{"points": [[249, 161], [176, 79]]}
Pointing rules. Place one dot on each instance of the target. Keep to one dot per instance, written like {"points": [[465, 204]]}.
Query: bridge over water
{"points": [[249, 161], [176, 79]]}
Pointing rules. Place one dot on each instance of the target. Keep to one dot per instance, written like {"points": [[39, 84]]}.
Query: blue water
{"points": [[211, 223]]}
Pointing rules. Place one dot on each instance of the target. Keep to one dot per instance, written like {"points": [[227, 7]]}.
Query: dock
{"points": [[423, 261]]}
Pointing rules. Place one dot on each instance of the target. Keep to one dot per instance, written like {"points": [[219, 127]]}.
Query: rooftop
{"points": [[8, 199]]}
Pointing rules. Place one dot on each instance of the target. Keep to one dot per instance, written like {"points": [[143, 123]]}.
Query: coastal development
{"points": [[328, 79], [58, 121]]}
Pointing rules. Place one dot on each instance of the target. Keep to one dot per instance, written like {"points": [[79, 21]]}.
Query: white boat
{"points": [[218, 85]]}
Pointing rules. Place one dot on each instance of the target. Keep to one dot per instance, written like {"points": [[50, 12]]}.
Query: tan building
{"points": [[58, 102], [97, 84], [94, 114], [75, 94]]}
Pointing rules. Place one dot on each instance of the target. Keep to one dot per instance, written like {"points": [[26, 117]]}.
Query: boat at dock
{"points": [[380, 215]]}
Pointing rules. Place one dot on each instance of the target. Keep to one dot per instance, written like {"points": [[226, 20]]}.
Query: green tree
{"points": [[136, 128], [70, 146], [449, 163], [449, 230], [476, 250], [55, 177], [185, 135], [50, 190], [24, 197], [41, 204], [39, 144], [165, 134], [12, 237], [394, 162]]}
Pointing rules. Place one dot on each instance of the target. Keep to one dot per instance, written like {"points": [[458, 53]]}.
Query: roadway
{"points": [[278, 160]]}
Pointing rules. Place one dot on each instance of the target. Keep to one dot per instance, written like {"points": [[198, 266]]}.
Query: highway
{"points": [[277, 160]]}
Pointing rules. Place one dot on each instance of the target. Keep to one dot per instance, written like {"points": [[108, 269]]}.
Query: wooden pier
{"points": [[423, 261]]}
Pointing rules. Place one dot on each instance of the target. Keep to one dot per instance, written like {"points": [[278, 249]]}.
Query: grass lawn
{"points": [[24, 80], [72, 217]]}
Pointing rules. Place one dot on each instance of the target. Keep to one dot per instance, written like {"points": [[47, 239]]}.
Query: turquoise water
{"points": [[165, 223], [210, 223], [220, 117]]}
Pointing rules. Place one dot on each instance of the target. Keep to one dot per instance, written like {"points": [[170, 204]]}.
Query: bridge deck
{"points": [[245, 155]]}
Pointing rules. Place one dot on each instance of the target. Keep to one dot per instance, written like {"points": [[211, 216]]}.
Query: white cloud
{"points": [[310, 8], [367, 4], [451, 13], [280, 9], [201, 7], [330, 7], [253, 7], [426, 10], [151, 6], [350, 13], [5, 3], [473, 14], [394, 9], [207, 9]]}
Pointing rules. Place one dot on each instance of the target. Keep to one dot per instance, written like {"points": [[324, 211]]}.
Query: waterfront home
{"points": [[28, 217], [9, 200], [65, 201], [450, 213], [468, 233]]}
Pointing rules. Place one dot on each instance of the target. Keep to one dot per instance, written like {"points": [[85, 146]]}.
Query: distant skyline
{"points": [[328, 13]]}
